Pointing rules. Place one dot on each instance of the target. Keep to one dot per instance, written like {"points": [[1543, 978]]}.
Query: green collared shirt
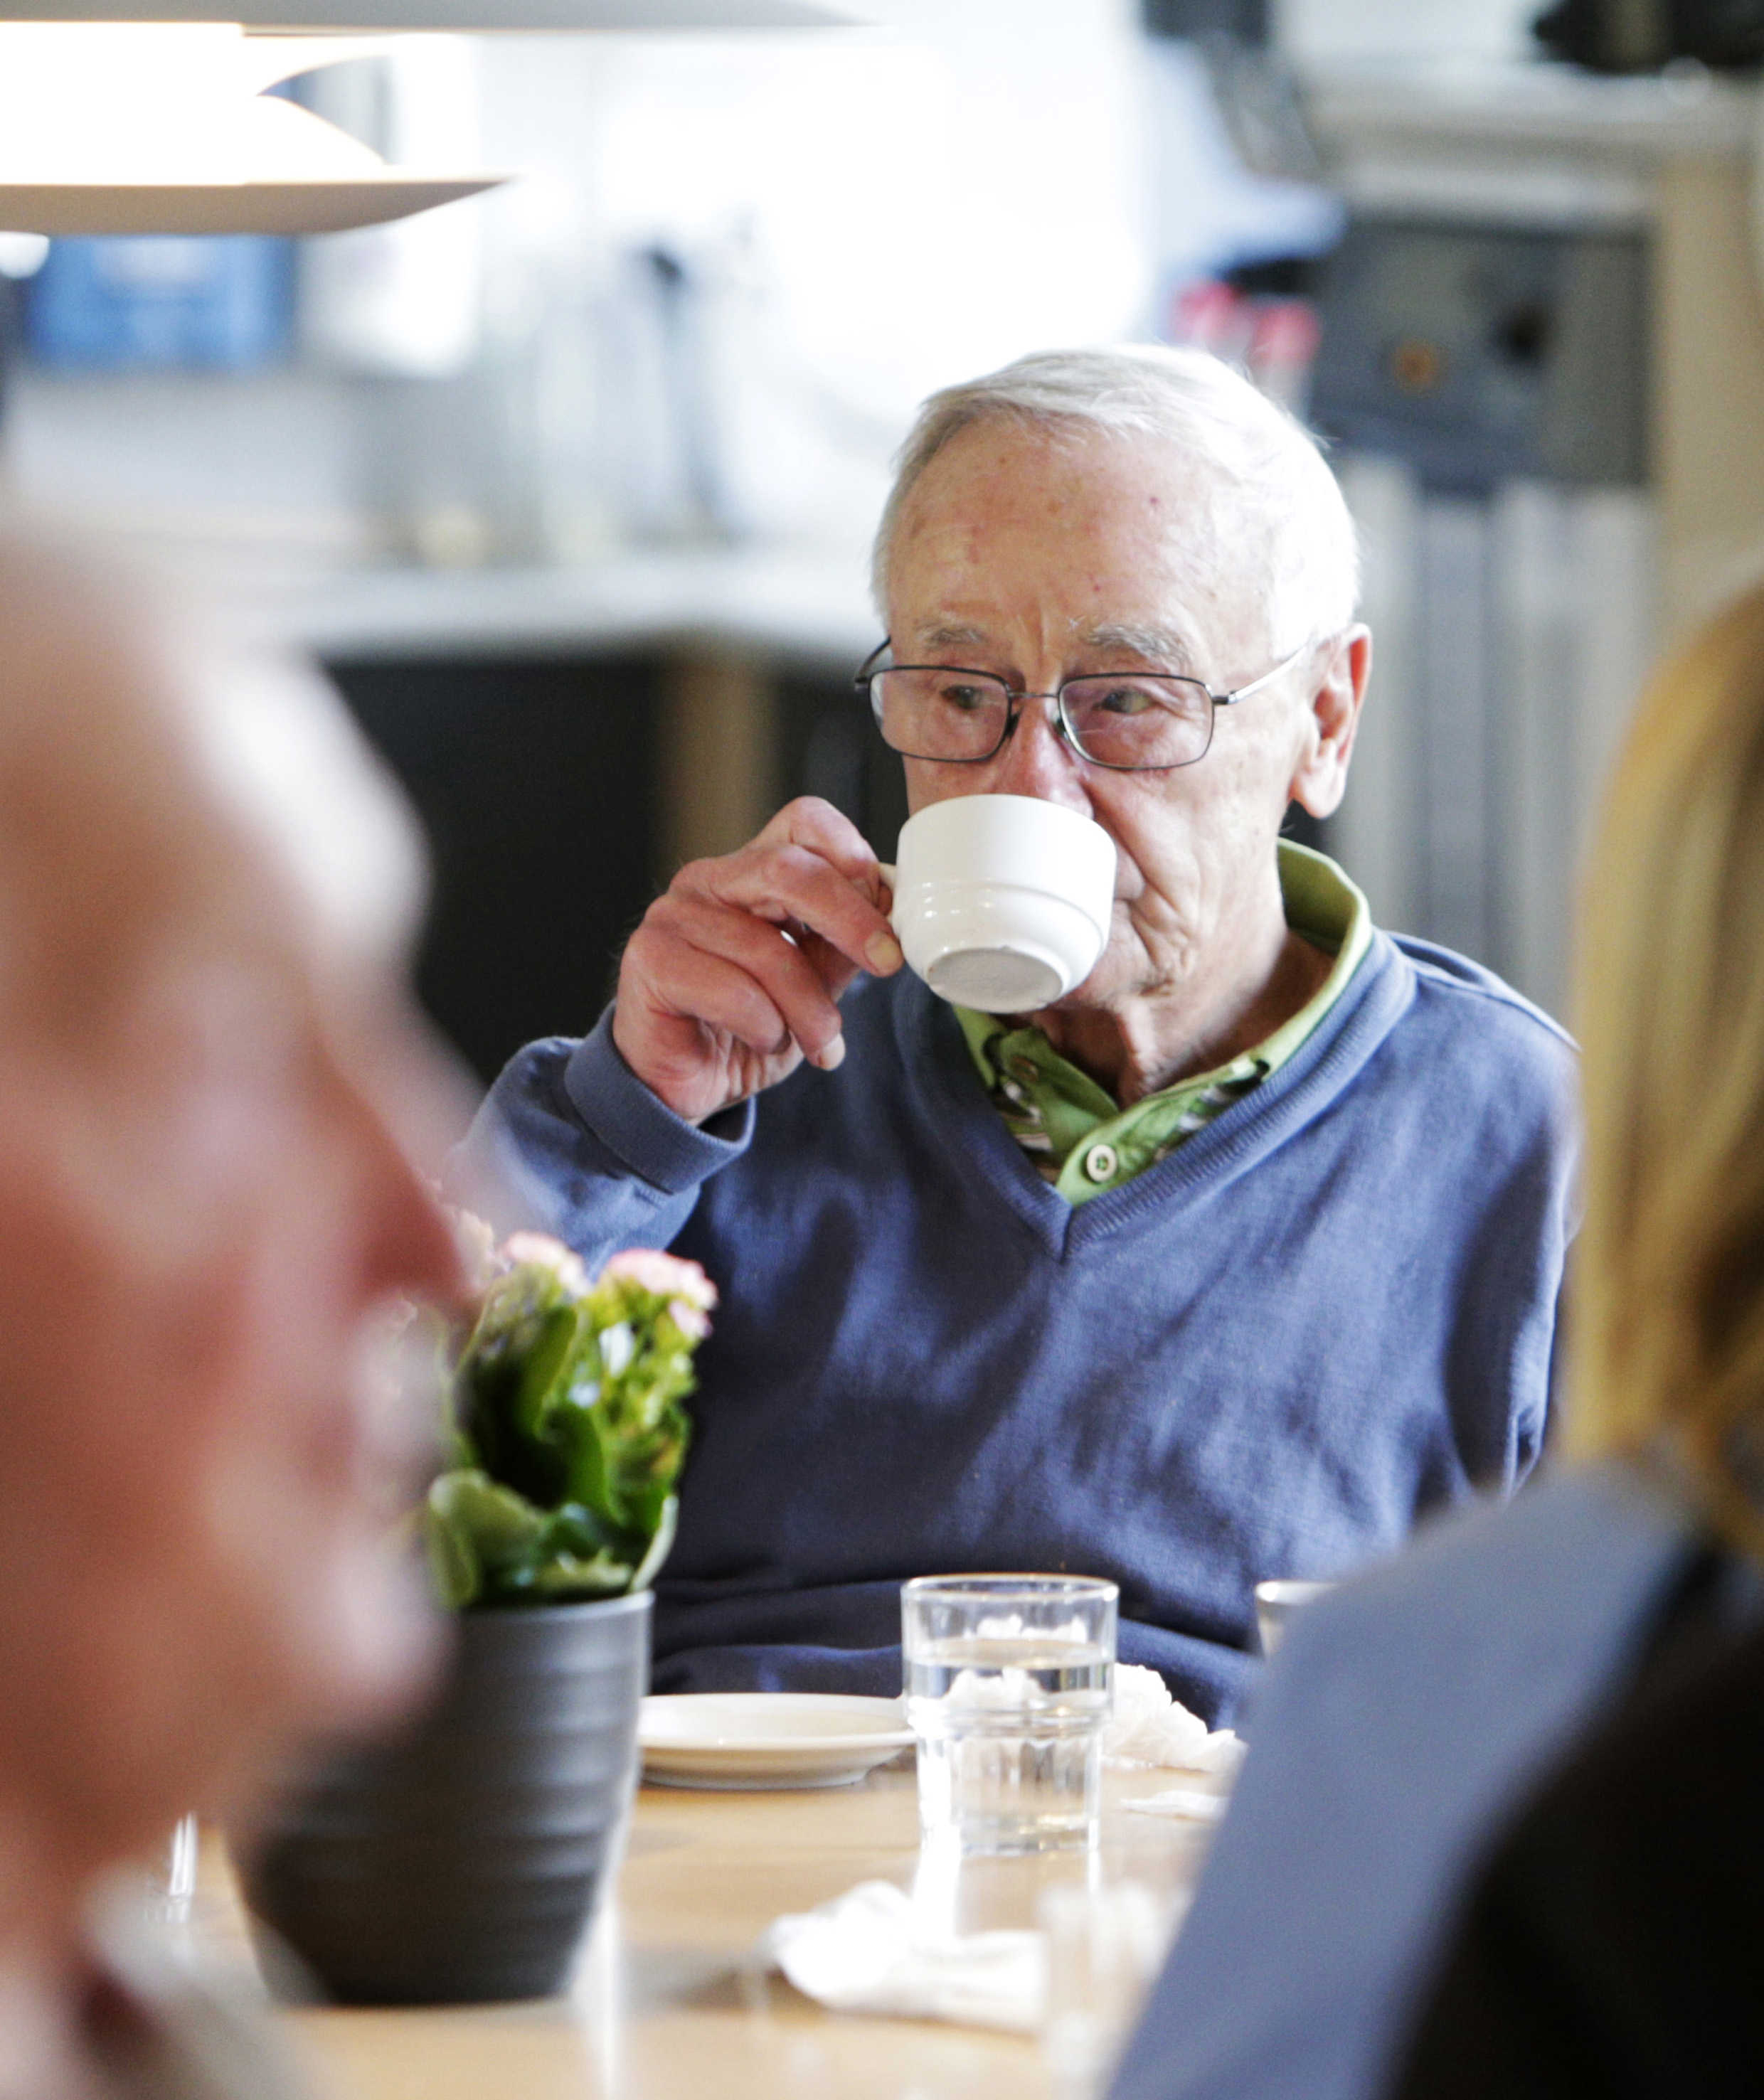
{"points": [[1080, 1138]]}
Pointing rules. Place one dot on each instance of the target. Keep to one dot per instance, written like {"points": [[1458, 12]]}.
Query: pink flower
{"points": [[690, 1319], [544, 1251], [690, 1292]]}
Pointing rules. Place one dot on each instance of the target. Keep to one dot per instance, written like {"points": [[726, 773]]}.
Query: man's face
{"points": [[207, 1198], [1039, 561]]}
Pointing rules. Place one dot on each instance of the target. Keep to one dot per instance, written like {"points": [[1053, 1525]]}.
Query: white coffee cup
{"points": [[1003, 903]]}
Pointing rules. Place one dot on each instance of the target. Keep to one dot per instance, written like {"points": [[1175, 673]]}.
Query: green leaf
{"points": [[545, 1371], [588, 1481], [566, 1576], [660, 1546], [583, 1531], [453, 1567], [503, 1528], [646, 1501]]}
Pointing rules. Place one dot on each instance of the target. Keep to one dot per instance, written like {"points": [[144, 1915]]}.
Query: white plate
{"points": [[767, 1739]]}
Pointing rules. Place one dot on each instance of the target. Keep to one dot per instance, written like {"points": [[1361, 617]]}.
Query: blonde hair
{"points": [[1668, 1306]]}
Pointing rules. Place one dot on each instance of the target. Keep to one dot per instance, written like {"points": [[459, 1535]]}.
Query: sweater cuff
{"points": [[638, 1129]]}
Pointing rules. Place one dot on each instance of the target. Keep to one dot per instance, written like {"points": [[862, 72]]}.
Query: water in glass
{"points": [[1008, 1692]]}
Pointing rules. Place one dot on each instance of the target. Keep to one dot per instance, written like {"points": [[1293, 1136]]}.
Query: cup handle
{"points": [[894, 891]]}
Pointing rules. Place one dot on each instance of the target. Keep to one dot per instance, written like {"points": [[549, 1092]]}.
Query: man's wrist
{"points": [[633, 1121]]}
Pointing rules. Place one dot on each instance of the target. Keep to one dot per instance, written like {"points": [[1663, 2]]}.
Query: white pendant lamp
{"points": [[154, 119], [164, 128], [473, 17]]}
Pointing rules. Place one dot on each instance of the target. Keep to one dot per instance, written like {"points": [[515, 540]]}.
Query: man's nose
{"points": [[1038, 760]]}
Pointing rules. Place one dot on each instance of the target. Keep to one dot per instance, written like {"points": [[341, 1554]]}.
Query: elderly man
{"points": [[1226, 1266], [206, 1191]]}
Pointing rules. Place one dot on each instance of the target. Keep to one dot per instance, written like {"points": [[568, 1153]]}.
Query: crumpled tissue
{"points": [[1187, 1803], [1149, 1727], [873, 1951]]}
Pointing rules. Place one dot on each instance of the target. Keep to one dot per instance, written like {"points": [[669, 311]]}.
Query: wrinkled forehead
{"points": [[1017, 493]]}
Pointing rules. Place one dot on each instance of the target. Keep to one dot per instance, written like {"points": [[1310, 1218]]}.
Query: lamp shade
{"points": [[473, 16], [130, 127], [122, 117], [308, 206]]}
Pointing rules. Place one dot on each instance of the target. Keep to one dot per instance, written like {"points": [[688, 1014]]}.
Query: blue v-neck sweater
{"points": [[1331, 1311]]}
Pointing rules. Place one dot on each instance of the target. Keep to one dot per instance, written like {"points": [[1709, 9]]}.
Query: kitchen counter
{"points": [[781, 607]]}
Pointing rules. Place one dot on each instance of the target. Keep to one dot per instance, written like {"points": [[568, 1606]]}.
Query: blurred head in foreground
{"points": [[208, 1192], [1668, 1318]]}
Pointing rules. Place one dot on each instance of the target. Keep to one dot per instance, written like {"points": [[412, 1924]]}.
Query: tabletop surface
{"points": [[668, 1999]]}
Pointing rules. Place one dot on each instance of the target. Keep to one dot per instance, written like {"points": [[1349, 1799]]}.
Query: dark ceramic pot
{"points": [[462, 1862]]}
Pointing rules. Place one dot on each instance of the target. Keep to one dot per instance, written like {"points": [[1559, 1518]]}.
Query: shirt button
{"points": [[1100, 1162]]}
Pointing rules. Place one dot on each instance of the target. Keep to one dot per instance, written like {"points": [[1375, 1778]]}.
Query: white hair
{"points": [[1267, 516]]}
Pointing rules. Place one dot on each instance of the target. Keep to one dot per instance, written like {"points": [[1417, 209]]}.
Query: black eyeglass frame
{"points": [[864, 679]]}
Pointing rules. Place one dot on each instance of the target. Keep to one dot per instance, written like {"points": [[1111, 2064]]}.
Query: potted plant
{"points": [[462, 1862]]}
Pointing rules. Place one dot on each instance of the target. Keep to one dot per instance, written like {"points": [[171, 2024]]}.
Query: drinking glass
{"points": [[1008, 1682], [1276, 1603]]}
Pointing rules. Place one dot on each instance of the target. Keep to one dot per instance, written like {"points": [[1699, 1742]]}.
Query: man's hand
{"points": [[730, 979]]}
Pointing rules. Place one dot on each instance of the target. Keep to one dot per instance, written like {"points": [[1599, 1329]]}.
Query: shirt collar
{"points": [[1322, 904]]}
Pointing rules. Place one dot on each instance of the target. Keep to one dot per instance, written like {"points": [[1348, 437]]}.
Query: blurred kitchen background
{"points": [[570, 487]]}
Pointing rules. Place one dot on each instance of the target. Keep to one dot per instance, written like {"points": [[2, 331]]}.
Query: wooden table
{"points": [[668, 2004]]}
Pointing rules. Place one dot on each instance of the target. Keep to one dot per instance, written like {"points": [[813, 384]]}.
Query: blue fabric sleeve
{"points": [[1400, 1723], [570, 1141]]}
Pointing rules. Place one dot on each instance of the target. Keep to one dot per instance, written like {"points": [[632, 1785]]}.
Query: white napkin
{"points": [[1149, 1727], [1186, 1802], [873, 1951], [870, 1951]]}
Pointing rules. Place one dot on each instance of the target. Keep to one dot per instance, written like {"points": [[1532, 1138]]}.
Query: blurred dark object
{"points": [[1610, 1944], [1641, 36], [1257, 97], [462, 1864], [1275, 277], [1247, 20], [1480, 353], [829, 745], [679, 295], [535, 781]]}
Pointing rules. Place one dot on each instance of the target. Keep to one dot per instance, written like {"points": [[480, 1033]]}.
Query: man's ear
{"points": [[1338, 686]]}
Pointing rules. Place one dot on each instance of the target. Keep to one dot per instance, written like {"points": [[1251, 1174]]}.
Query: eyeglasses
{"points": [[1132, 721]]}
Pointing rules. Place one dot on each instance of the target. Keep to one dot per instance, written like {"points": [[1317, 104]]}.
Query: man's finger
{"points": [[765, 952], [817, 826], [692, 985], [782, 883], [828, 963]]}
